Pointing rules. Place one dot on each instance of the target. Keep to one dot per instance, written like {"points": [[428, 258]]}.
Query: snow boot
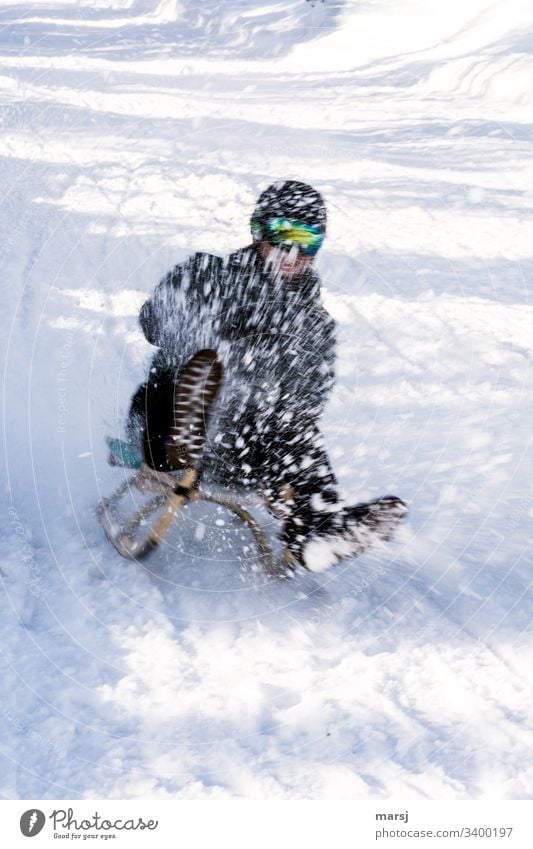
{"points": [[349, 532]]}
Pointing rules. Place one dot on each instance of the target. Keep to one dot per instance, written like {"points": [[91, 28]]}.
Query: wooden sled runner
{"points": [[137, 537], [172, 494]]}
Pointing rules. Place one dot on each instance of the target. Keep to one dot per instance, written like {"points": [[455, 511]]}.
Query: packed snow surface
{"points": [[135, 132]]}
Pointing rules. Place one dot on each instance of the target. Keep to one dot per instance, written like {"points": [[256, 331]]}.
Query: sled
{"points": [[144, 531], [136, 537]]}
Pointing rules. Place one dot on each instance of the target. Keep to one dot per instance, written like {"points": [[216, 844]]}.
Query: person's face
{"points": [[288, 263]]}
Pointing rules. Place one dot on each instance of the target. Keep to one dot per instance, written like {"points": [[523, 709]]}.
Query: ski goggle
{"points": [[287, 232]]}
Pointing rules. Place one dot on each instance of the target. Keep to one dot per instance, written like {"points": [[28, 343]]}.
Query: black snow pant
{"points": [[286, 463]]}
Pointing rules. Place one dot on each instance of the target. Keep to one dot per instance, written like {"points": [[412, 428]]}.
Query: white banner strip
{"points": [[268, 824]]}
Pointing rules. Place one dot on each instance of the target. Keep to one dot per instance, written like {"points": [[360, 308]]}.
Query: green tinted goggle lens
{"points": [[284, 231]]}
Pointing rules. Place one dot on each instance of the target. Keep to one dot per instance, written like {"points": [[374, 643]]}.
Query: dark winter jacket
{"points": [[274, 337]]}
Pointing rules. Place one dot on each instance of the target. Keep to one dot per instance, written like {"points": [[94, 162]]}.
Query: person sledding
{"points": [[260, 311]]}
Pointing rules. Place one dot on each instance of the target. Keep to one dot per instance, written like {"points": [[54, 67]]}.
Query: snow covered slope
{"points": [[137, 131]]}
